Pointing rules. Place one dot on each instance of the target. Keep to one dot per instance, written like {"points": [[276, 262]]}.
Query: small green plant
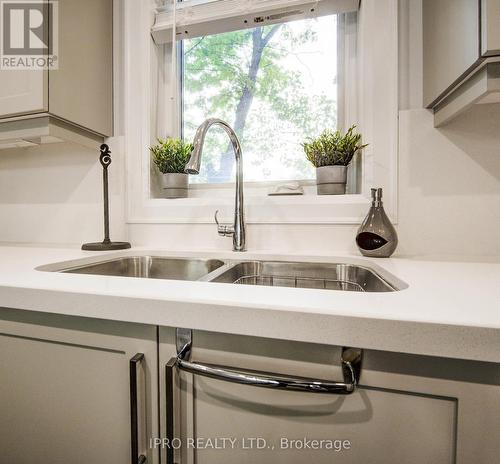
{"points": [[171, 155], [333, 148]]}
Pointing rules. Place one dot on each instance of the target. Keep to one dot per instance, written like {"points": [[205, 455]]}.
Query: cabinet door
{"points": [[451, 43], [403, 412], [65, 392], [490, 27], [81, 89], [22, 92], [376, 425]]}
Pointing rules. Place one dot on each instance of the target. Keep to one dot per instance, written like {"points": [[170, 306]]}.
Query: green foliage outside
{"points": [[242, 77], [333, 148], [171, 155]]}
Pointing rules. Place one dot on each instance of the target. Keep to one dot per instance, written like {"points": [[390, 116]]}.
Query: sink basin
{"points": [[327, 276], [150, 267]]}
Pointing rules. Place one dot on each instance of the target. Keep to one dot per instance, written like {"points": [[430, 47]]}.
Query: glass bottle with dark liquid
{"points": [[377, 236]]}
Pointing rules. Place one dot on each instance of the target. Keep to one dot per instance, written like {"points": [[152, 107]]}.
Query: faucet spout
{"points": [[237, 231]]}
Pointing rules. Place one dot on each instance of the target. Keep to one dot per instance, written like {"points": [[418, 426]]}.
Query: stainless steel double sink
{"points": [[326, 276]]}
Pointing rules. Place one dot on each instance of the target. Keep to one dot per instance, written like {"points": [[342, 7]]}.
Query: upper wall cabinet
{"points": [[451, 43], [70, 100], [490, 28], [461, 55]]}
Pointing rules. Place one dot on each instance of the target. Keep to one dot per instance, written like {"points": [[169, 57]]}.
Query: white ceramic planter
{"points": [[331, 180], [175, 185]]}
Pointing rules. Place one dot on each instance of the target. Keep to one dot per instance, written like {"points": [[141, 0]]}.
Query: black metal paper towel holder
{"points": [[106, 244]]}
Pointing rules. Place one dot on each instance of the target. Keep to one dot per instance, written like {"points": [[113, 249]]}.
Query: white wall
{"points": [[449, 197], [449, 181], [449, 194], [449, 186], [449, 178], [53, 194]]}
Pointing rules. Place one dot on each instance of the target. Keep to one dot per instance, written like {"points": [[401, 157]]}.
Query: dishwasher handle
{"points": [[351, 365], [275, 381], [351, 359]]}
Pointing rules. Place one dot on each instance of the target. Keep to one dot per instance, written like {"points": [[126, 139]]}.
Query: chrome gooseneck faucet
{"points": [[237, 230]]}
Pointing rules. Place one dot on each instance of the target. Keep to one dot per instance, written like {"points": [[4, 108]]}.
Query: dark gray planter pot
{"points": [[175, 185], [331, 180]]}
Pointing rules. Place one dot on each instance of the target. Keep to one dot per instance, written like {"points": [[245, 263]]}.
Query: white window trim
{"points": [[196, 18], [378, 121]]}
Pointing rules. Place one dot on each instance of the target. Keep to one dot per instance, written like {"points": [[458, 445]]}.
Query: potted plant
{"points": [[171, 156], [330, 154]]}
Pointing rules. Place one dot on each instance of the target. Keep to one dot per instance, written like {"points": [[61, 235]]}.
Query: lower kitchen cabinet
{"points": [[408, 409], [69, 393], [65, 389]]}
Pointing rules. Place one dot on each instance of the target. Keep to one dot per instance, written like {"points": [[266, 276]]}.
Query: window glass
{"points": [[276, 85]]}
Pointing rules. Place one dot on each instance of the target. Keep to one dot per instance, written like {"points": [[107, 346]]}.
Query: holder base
{"points": [[105, 246]]}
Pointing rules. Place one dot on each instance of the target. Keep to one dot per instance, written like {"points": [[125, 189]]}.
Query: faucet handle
{"points": [[225, 231]]}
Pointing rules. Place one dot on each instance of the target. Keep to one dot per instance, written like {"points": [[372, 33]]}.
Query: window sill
{"points": [[297, 209]]}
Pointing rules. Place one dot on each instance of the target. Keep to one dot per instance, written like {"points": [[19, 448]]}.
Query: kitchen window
{"points": [[276, 82], [276, 85], [367, 94]]}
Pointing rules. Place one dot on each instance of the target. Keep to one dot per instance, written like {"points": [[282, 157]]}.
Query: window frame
{"points": [[141, 73]]}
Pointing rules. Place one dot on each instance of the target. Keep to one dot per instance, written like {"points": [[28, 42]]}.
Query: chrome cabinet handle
{"points": [[136, 458], [170, 407], [351, 360], [224, 230], [275, 381], [253, 378]]}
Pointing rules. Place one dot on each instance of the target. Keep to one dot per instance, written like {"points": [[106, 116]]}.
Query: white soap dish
{"points": [[290, 188]]}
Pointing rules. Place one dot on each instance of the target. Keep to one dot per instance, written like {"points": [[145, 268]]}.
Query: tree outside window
{"points": [[276, 85]]}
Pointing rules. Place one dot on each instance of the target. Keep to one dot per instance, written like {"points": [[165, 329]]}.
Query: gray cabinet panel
{"points": [[410, 409], [461, 46], [490, 27], [80, 90], [23, 92], [65, 388], [62, 403], [451, 43], [382, 427]]}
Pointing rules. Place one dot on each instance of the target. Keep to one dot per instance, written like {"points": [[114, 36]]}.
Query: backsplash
{"points": [[53, 194], [449, 198]]}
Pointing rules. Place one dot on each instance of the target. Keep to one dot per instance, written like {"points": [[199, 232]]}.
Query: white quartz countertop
{"points": [[450, 308]]}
